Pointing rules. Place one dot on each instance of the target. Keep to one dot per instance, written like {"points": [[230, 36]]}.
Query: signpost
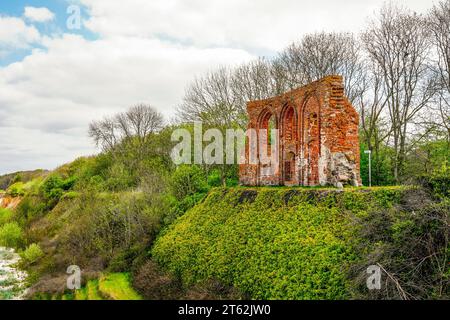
{"points": [[369, 152]]}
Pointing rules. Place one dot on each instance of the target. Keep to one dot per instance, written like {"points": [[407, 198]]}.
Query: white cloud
{"points": [[49, 98], [258, 25], [38, 14], [16, 34]]}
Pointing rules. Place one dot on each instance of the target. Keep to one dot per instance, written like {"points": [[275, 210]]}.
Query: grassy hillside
{"points": [[293, 243]]}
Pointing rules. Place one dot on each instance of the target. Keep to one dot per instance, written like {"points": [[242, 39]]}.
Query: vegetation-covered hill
{"points": [[24, 176], [161, 231], [228, 242], [288, 243]]}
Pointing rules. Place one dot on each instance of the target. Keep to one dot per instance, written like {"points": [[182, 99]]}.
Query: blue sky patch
{"points": [[56, 27]]}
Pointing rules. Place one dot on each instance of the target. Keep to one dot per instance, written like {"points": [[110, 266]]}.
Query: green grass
{"points": [[117, 286], [92, 290], [89, 292], [6, 294], [81, 294], [114, 286], [5, 216]]}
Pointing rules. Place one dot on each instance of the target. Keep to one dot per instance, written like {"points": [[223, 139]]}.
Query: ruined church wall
{"points": [[326, 143]]}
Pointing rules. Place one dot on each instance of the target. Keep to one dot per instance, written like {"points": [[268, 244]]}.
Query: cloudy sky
{"points": [[55, 78]]}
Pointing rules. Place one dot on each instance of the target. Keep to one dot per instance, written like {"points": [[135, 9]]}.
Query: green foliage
{"points": [[11, 235], [381, 166], [411, 242], [29, 208], [116, 228], [25, 176], [89, 292], [54, 187], [427, 159], [119, 178], [16, 189], [187, 181], [214, 179], [269, 243], [32, 254], [5, 216], [439, 181], [92, 291], [117, 286]]}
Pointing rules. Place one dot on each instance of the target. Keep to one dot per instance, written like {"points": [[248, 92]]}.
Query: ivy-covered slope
{"points": [[272, 243]]}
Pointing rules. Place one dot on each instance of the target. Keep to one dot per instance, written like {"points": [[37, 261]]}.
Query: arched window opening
{"points": [[290, 124], [268, 124]]}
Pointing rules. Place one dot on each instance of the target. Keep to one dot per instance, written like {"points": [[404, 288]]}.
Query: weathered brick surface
{"points": [[318, 137]]}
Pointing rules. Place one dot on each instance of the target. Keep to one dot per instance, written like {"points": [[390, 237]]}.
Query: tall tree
{"points": [[133, 127], [210, 99], [321, 54], [396, 41], [439, 27], [375, 128]]}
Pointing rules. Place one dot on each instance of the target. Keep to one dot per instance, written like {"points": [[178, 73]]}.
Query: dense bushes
{"points": [[11, 235], [5, 216], [54, 187], [31, 254], [439, 181], [270, 243], [278, 243], [114, 228], [187, 181], [411, 243], [16, 190]]}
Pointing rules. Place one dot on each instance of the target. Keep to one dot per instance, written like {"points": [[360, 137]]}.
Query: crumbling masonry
{"points": [[318, 137]]}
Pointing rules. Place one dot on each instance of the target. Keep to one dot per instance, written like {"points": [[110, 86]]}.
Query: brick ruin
{"points": [[318, 140]]}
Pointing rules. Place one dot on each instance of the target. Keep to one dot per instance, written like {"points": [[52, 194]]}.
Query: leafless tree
{"points": [[139, 122], [397, 42], [219, 98], [372, 102], [104, 133], [439, 27], [210, 99], [134, 125], [320, 54], [253, 81]]}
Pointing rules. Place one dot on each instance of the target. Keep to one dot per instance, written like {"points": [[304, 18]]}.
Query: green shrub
{"points": [[411, 242], [117, 286], [439, 181], [270, 243], [11, 235], [16, 190], [187, 181], [114, 228], [5, 216], [29, 208], [119, 178], [70, 195], [214, 179], [52, 187], [32, 254]]}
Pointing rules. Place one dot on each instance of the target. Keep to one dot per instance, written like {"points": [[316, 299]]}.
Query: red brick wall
{"points": [[318, 135]]}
